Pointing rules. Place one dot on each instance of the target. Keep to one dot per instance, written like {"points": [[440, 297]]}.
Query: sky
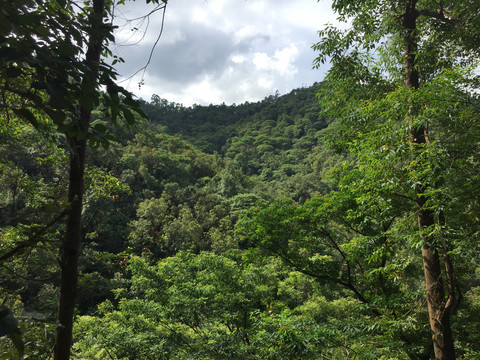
{"points": [[220, 51]]}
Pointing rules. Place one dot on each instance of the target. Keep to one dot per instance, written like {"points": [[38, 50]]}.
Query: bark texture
{"points": [[438, 306], [71, 246]]}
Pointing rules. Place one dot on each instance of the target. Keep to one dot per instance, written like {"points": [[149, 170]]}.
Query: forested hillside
{"points": [[179, 233], [338, 221], [158, 193]]}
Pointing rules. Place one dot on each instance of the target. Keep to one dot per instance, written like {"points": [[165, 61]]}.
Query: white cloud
{"points": [[217, 6], [200, 15], [282, 62], [204, 92], [262, 61], [215, 51], [238, 59], [285, 59], [265, 83]]}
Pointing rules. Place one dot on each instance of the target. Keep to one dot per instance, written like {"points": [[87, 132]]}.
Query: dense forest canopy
{"points": [[338, 221]]}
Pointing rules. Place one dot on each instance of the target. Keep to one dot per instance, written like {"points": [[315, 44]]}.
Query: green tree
{"points": [[354, 250], [186, 307], [387, 81], [206, 306], [51, 71]]}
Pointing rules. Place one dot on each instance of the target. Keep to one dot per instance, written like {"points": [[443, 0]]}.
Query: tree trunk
{"points": [[438, 307], [73, 227], [70, 253]]}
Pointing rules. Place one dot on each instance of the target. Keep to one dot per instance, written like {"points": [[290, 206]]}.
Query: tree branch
{"points": [[144, 68], [34, 238], [440, 15], [403, 196]]}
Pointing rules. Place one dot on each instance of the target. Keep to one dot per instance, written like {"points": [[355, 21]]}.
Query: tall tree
{"points": [[73, 226], [414, 42], [51, 74]]}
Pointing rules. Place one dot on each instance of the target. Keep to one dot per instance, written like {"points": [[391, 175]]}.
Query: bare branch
{"points": [[144, 68]]}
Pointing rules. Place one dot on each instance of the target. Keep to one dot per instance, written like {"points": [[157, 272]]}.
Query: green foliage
{"points": [[399, 92], [199, 307], [209, 306], [43, 76], [188, 306], [275, 136], [349, 281]]}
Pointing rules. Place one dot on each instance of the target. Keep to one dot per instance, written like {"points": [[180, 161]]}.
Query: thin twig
{"points": [[144, 68]]}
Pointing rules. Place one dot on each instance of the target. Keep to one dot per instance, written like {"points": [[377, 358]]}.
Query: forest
{"points": [[337, 221]]}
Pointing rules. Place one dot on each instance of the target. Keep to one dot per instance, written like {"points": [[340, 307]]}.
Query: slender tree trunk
{"points": [[70, 253], [73, 228], [438, 307]]}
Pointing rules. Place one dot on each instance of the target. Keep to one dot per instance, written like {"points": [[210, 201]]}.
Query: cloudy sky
{"points": [[214, 51]]}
